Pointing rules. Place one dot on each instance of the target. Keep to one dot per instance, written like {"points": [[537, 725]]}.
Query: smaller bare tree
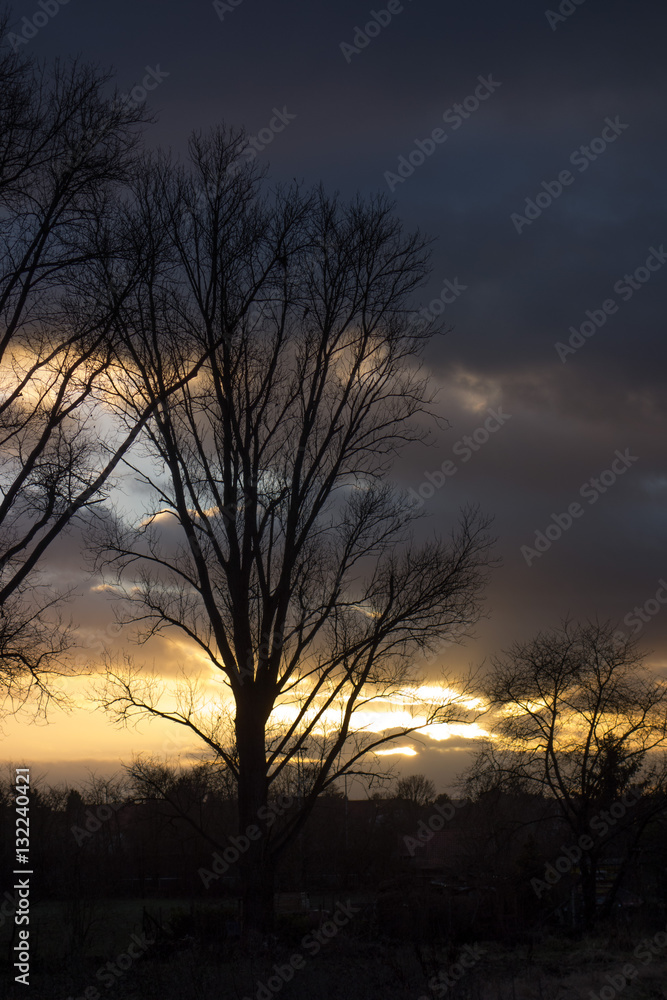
{"points": [[580, 720], [416, 789]]}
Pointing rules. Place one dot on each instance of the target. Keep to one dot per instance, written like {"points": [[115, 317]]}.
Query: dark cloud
{"points": [[524, 290]]}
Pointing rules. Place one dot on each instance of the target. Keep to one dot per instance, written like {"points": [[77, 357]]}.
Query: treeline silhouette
{"points": [[498, 866]]}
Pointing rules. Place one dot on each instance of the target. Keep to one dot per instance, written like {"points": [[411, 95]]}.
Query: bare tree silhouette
{"points": [[416, 789], [583, 722], [275, 542], [72, 258], [65, 148]]}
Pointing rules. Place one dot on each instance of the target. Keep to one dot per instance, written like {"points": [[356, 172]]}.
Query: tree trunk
{"points": [[256, 864], [258, 879]]}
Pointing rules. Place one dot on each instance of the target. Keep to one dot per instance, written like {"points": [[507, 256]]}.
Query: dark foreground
{"points": [[167, 949]]}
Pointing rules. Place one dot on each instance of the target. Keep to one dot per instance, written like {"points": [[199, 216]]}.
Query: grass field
{"points": [[84, 952]]}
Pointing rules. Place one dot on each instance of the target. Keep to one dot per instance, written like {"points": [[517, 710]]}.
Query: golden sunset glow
{"points": [[87, 733]]}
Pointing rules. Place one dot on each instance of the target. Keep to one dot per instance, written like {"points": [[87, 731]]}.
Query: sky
{"points": [[529, 143]]}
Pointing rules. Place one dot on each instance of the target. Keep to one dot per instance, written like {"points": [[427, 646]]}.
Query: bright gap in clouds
{"points": [[88, 735]]}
